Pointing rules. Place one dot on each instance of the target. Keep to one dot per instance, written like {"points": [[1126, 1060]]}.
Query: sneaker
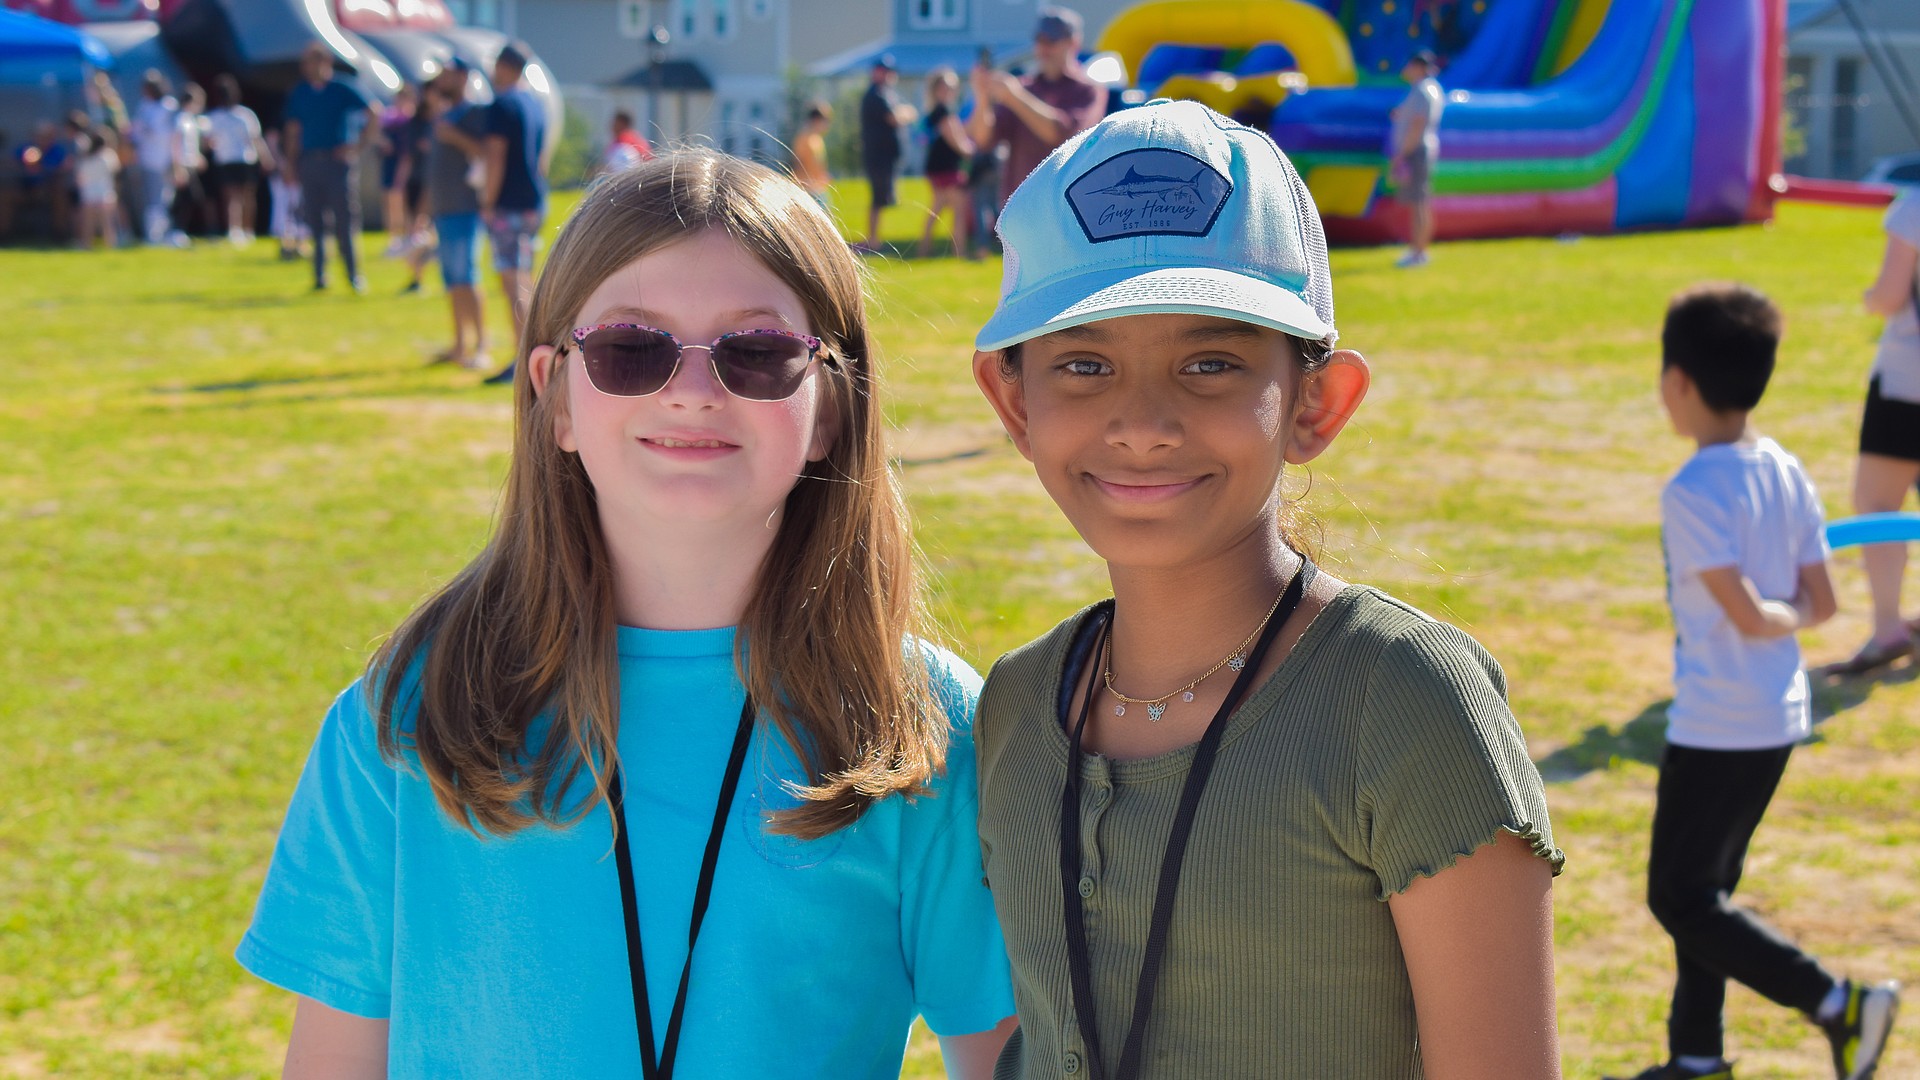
{"points": [[358, 285], [504, 375], [1859, 1034], [412, 287], [1411, 259], [1670, 1071]]}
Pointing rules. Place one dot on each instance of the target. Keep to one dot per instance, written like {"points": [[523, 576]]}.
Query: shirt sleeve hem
{"points": [[290, 975], [1535, 837], [968, 1018]]}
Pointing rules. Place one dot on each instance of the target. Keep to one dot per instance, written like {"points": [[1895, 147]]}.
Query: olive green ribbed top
{"points": [[1381, 749]]}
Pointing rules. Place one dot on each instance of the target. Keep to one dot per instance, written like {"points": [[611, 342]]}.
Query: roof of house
{"points": [[915, 57], [680, 76]]}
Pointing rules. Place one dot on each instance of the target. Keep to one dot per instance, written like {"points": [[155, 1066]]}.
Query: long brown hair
{"points": [[828, 643]]}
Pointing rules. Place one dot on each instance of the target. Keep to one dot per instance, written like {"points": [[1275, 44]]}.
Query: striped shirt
{"points": [[1382, 749]]}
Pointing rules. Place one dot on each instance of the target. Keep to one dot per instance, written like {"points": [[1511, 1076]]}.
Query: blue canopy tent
{"points": [[34, 50], [44, 68]]}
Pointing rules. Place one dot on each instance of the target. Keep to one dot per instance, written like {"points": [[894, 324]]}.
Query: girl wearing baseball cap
{"points": [[1243, 819]]}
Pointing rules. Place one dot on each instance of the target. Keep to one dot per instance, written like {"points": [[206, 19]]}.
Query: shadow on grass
{"points": [[1643, 737], [1834, 694], [942, 459], [241, 385], [215, 302], [394, 393], [1639, 739]]}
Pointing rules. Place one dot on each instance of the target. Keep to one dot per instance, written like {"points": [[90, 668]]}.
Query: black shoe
{"points": [[1670, 1071], [412, 287], [1859, 1034], [504, 375]]}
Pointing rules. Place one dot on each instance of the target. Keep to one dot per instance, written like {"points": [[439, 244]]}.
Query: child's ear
{"points": [[1328, 398], [542, 364], [1007, 396]]}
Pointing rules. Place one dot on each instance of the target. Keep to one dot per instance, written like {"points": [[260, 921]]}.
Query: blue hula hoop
{"points": [[1873, 529]]}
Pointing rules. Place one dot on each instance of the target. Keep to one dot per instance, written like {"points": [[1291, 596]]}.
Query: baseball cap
{"points": [[1427, 57], [886, 62], [1058, 24], [1165, 208]]}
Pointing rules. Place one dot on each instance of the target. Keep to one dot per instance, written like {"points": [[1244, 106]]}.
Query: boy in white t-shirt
{"points": [[1746, 568]]}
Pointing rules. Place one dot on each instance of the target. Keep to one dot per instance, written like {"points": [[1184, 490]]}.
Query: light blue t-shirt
{"points": [[506, 957]]}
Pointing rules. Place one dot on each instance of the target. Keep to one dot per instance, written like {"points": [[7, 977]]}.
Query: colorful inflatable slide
{"points": [[1563, 116]]}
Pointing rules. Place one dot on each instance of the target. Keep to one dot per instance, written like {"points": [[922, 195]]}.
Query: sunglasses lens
{"points": [[628, 362], [762, 367]]}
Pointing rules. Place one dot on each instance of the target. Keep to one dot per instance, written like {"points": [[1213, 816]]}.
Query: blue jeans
{"points": [[459, 248]]}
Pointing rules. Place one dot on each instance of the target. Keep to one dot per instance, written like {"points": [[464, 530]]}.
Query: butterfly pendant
{"points": [[1156, 710]]}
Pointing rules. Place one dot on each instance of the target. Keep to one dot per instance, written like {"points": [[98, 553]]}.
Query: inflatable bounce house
{"points": [[1562, 116]]}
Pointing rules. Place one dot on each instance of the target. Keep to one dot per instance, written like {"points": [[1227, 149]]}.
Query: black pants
{"points": [[1710, 802], [330, 197]]}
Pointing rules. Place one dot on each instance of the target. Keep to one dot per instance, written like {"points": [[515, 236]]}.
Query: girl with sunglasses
{"points": [[666, 781]]}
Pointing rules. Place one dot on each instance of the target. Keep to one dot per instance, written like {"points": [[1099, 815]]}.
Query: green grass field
{"points": [[217, 491]]}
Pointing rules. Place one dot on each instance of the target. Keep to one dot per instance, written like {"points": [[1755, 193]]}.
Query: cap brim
{"points": [[1186, 290]]}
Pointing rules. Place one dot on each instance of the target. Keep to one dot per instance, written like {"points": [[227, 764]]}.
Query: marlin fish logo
{"points": [[1135, 185]]}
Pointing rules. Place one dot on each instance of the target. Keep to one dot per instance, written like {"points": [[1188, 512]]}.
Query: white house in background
{"points": [[1836, 90], [721, 78], [925, 34]]}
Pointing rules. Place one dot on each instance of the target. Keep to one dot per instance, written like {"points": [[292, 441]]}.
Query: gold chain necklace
{"points": [[1157, 706]]}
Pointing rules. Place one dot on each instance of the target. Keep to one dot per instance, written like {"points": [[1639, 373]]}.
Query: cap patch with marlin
{"points": [[1152, 191]]}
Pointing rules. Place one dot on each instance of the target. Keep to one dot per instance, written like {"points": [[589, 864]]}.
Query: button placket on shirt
{"points": [[1096, 795]]}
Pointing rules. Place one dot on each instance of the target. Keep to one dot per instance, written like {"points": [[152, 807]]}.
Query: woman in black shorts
{"points": [[237, 153], [948, 149], [1890, 433]]}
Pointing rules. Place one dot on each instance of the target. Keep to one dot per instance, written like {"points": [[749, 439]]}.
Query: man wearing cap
{"points": [[513, 203], [882, 115], [328, 124], [1039, 111], [1412, 149]]}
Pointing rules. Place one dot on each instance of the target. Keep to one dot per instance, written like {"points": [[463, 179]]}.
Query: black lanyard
{"points": [[1079, 964], [702, 892]]}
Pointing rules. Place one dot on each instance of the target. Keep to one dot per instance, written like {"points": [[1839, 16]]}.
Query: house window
{"points": [[686, 19], [937, 14], [727, 140], [484, 13], [726, 16], [760, 10], [757, 131], [1846, 105], [633, 18]]}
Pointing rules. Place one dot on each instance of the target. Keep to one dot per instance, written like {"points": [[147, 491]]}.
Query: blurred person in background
{"points": [[626, 147], [96, 168], [1034, 113], [193, 213], [154, 121], [44, 178], [453, 198], [881, 117], [948, 149], [238, 151], [329, 123], [284, 217], [810, 152], [514, 201], [392, 142]]}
